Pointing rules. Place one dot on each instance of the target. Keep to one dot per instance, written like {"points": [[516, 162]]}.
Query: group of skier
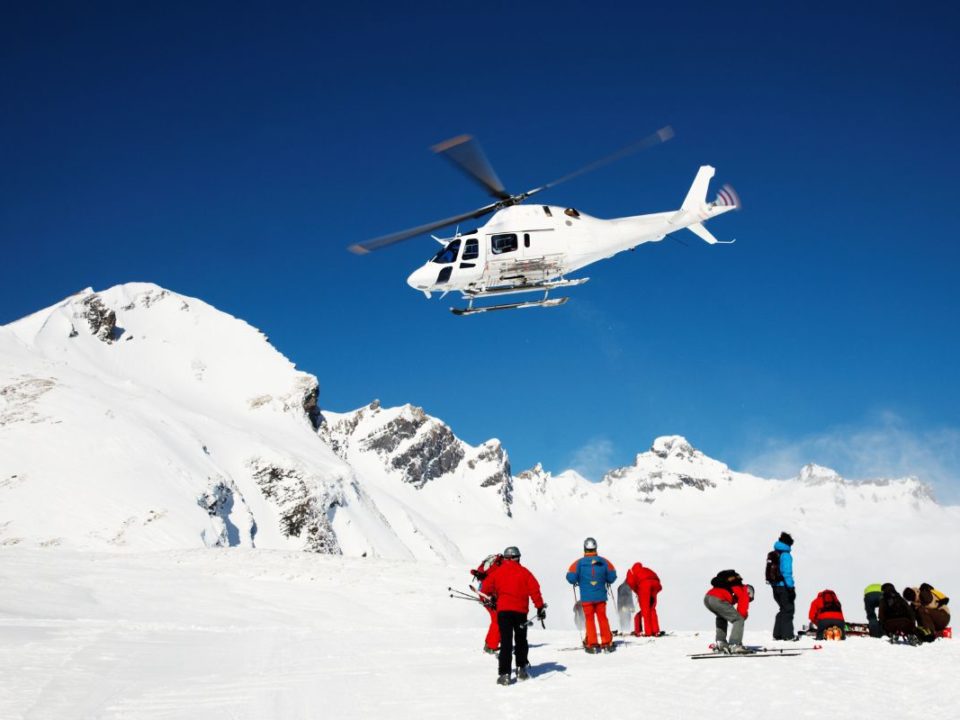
{"points": [[507, 588]]}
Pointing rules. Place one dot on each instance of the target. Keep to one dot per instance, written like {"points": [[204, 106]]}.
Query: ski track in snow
{"points": [[271, 634]]}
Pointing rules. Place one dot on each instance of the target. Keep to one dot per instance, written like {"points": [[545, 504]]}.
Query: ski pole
{"points": [[458, 597], [461, 593]]}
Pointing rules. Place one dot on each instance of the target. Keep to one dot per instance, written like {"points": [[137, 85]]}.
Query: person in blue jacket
{"points": [[592, 574], [784, 590]]}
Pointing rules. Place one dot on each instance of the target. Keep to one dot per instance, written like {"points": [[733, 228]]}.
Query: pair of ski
{"points": [[755, 651]]}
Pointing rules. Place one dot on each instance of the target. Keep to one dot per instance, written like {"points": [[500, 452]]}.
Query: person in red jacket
{"points": [[646, 584], [826, 612], [513, 586], [729, 599], [488, 566]]}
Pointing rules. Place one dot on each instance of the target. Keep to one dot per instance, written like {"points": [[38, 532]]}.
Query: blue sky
{"points": [[232, 151]]}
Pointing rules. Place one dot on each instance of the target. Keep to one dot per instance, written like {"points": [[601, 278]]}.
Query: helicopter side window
{"points": [[471, 251], [448, 254], [572, 212], [503, 243]]}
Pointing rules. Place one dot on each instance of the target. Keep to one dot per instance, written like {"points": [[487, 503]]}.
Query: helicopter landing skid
{"points": [[551, 302]]}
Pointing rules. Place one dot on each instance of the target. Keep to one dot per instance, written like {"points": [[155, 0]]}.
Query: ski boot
{"points": [[503, 679], [591, 649], [720, 646], [523, 673], [608, 648], [737, 649]]}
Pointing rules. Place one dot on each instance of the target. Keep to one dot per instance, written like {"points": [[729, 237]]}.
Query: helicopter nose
{"points": [[421, 279]]}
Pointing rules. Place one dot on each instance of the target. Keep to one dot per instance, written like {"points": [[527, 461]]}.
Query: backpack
{"points": [[772, 572], [831, 603]]}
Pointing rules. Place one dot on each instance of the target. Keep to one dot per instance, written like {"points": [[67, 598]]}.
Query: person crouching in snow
{"points": [[825, 613], [592, 574], [646, 584], [729, 599], [491, 643], [513, 586]]}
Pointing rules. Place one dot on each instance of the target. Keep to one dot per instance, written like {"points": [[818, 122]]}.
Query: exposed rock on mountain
{"points": [[193, 431], [671, 463]]}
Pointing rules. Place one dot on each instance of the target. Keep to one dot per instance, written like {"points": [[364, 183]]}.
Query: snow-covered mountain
{"points": [[138, 418]]}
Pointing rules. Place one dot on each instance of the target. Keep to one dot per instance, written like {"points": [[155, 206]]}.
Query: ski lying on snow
{"points": [[705, 656]]}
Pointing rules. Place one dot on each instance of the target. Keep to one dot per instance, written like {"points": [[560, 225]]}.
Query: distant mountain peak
{"points": [[675, 445], [670, 463], [813, 474]]}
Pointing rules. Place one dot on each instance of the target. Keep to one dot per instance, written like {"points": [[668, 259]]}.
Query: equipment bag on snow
{"points": [[772, 572]]}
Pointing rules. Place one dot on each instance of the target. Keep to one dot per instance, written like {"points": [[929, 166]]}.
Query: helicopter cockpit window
{"points": [[448, 254], [503, 243], [546, 209], [471, 250], [572, 212]]}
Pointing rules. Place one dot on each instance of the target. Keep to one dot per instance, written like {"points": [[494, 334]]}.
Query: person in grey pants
{"points": [[729, 599]]}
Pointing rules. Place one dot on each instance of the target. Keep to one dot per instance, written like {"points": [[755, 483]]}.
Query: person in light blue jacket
{"points": [[784, 590]]}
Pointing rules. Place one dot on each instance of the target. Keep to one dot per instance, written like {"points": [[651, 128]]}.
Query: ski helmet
{"points": [[590, 544], [512, 553]]}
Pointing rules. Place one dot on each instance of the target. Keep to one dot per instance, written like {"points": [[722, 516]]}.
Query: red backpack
{"points": [[831, 603]]}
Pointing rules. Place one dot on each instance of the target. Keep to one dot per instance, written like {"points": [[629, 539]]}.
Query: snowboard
{"points": [[626, 608], [578, 617]]}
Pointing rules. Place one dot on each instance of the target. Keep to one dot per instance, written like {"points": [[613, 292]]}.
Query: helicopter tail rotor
{"points": [[727, 197]]}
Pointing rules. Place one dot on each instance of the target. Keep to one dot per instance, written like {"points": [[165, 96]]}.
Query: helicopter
{"points": [[527, 248]]}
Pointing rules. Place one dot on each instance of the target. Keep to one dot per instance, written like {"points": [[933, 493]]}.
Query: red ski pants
{"points": [[493, 632], [598, 610], [647, 600]]}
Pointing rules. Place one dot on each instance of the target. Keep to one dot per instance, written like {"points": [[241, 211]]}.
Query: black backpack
{"points": [[772, 572]]}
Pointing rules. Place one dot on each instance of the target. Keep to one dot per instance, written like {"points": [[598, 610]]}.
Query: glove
{"points": [[542, 612]]}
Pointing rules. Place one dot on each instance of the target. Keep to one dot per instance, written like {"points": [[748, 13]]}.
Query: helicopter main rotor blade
{"points": [[377, 243], [465, 153], [657, 138]]}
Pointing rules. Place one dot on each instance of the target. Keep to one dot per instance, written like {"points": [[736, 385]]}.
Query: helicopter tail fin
{"points": [[697, 195]]}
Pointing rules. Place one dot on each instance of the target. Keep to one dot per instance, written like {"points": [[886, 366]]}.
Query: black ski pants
{"points": [[871, 601], [783, 623], [513, 638]]}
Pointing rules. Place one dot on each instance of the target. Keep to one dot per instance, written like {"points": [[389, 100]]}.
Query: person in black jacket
{"points": [[896, 615]]}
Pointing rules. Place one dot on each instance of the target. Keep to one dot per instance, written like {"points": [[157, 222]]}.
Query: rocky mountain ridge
{"points": [[172, 424]]}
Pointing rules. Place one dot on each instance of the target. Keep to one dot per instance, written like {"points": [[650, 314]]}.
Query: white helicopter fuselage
{"points": [[522, 247]]}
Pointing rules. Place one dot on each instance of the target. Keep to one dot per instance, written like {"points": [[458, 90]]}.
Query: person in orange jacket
{"points": [[592, 574], [646, 584], [513, 586], [487, 567], [826, 612]]}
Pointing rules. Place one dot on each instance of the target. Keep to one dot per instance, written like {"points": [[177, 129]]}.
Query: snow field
{"points": [[236, 633]]}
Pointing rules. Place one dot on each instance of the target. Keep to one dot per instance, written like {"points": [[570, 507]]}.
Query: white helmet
{"points": [[590, 544]]}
